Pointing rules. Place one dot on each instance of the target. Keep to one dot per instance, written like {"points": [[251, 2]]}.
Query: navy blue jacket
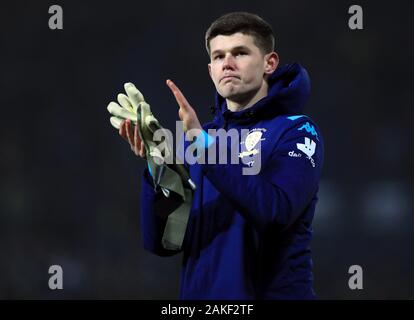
{"points": [[249, 236]]}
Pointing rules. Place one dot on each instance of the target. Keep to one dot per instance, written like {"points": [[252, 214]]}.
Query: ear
{"points": [[209, 69], [271, 62]]}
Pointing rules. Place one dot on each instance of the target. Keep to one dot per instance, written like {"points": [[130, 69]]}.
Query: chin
{"points": [[229, 93]]}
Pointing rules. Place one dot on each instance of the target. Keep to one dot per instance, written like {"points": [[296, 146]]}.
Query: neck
{"points": [[249, 101]]}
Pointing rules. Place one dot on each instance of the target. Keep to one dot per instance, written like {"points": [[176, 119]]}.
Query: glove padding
{"points": [[134, 108]]}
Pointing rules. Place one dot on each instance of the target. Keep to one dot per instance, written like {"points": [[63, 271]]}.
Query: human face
{"points": [[238, 67]]}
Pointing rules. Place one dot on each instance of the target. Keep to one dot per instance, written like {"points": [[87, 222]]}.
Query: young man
{"points": [[248, 236]]}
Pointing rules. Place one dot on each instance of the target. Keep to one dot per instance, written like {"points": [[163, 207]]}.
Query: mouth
{"points": [[228, 77]]}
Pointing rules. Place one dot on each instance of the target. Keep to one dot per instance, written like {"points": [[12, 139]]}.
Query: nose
{"points": [[228, 62]]}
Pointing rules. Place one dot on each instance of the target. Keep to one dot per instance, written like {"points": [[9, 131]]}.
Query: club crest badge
{"points": [[251, 141]]}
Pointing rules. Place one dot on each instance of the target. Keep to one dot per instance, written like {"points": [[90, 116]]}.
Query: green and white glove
{"points": [[134, 108], [125, 109], [173, 177]]}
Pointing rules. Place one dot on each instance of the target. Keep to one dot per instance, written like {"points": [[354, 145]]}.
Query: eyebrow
{"points": [[232, 49]]}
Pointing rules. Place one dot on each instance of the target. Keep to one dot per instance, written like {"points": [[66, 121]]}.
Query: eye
{"points": [[241, 53], [217, 57]]}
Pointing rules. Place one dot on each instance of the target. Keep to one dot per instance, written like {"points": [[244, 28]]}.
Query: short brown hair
{"points": [[246, 23]]}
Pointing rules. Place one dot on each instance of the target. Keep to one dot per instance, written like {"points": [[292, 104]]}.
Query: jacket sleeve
{"points": [[155, 208], [284, 186]]}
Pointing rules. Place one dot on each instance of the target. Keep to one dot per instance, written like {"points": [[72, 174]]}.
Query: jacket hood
{"points": [[289, 89]]}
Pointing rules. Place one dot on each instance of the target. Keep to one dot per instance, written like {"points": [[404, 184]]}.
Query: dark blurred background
{"points": [[70, 185]]}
